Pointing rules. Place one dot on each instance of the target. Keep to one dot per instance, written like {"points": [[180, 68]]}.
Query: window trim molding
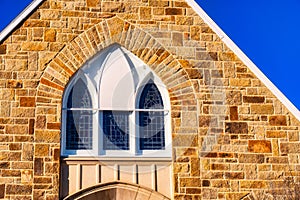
{"points": [[97, 150]]}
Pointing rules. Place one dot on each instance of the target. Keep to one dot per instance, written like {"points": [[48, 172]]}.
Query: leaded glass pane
{"points": [[151, 123], [116, 130], [150, 97], [79, 130], [79, 96], [152, 131]]}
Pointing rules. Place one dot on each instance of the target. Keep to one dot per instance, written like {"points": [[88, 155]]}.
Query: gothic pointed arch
{"points": [[114, 30]]}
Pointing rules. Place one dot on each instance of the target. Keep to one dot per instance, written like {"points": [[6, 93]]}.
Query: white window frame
{"points": [[134, 151]]}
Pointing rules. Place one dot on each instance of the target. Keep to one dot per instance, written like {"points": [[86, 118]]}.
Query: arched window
{"points": [[116, 106]]}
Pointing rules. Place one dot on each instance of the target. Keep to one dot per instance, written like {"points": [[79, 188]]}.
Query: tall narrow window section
{"points": [[151, 123], [79, 119]]}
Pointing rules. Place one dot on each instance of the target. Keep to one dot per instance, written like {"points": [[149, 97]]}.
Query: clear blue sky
{"points": [[267, 31]]}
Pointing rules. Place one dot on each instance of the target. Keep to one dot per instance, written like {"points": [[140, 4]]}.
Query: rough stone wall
{"points": [[232, 139]]}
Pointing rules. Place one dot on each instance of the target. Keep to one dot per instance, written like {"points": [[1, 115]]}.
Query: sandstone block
{"points": [[236, 127], [14, 84], [2, 190], [173, 11], [222, 167], [18, 189], [177, 39], [195, 32], [27, 101], [2, 49], [27, 153], [158, 3], [36, 23], [259, 146], [41, 122], [233, 98], [10, 173], [194, 73], [254, 184], [145, 13], [26, 176], [190, 182], [251, 158], [207, 121], [262, 109], [47, 136], [279, 120], [53, 126], [112, 6], [205, 183], [4, 165], [50, 14], [234, 113], [239, 82], [56, 154], [93, 3], [34, 46], [23, 112], [50, 35], [184, 20], [253, 99], [290, 148], [19, 130], [276, 134], [234, 175], [38, 166], [41, 150], [185, 140]]}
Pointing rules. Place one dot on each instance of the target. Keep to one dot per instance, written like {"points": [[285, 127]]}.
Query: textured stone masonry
{"points": [[232, 139]]}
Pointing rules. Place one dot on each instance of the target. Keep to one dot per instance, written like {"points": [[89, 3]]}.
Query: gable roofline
{"points": [[231, 45], [242, 56]]}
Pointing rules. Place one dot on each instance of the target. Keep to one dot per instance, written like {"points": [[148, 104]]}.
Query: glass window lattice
{"points": [[151, 123], [115, 130], [79, 122]]}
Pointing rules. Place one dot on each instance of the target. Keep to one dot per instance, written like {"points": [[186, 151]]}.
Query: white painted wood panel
{"points": [[80, 174]]}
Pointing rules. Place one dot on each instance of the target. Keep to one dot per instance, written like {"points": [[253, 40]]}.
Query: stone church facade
{"points": [[232, 135]]}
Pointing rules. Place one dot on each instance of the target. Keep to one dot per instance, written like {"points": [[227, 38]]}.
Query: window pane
{"points": [[79, 96], [79, 130], [116, 129], [152, 131], [150, 97]]}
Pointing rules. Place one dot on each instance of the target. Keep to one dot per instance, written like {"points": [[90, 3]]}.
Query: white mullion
{"points": [[132, 133]]}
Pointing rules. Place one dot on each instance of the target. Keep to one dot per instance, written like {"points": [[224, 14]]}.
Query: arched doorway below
{"points": [[116, 191]]}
